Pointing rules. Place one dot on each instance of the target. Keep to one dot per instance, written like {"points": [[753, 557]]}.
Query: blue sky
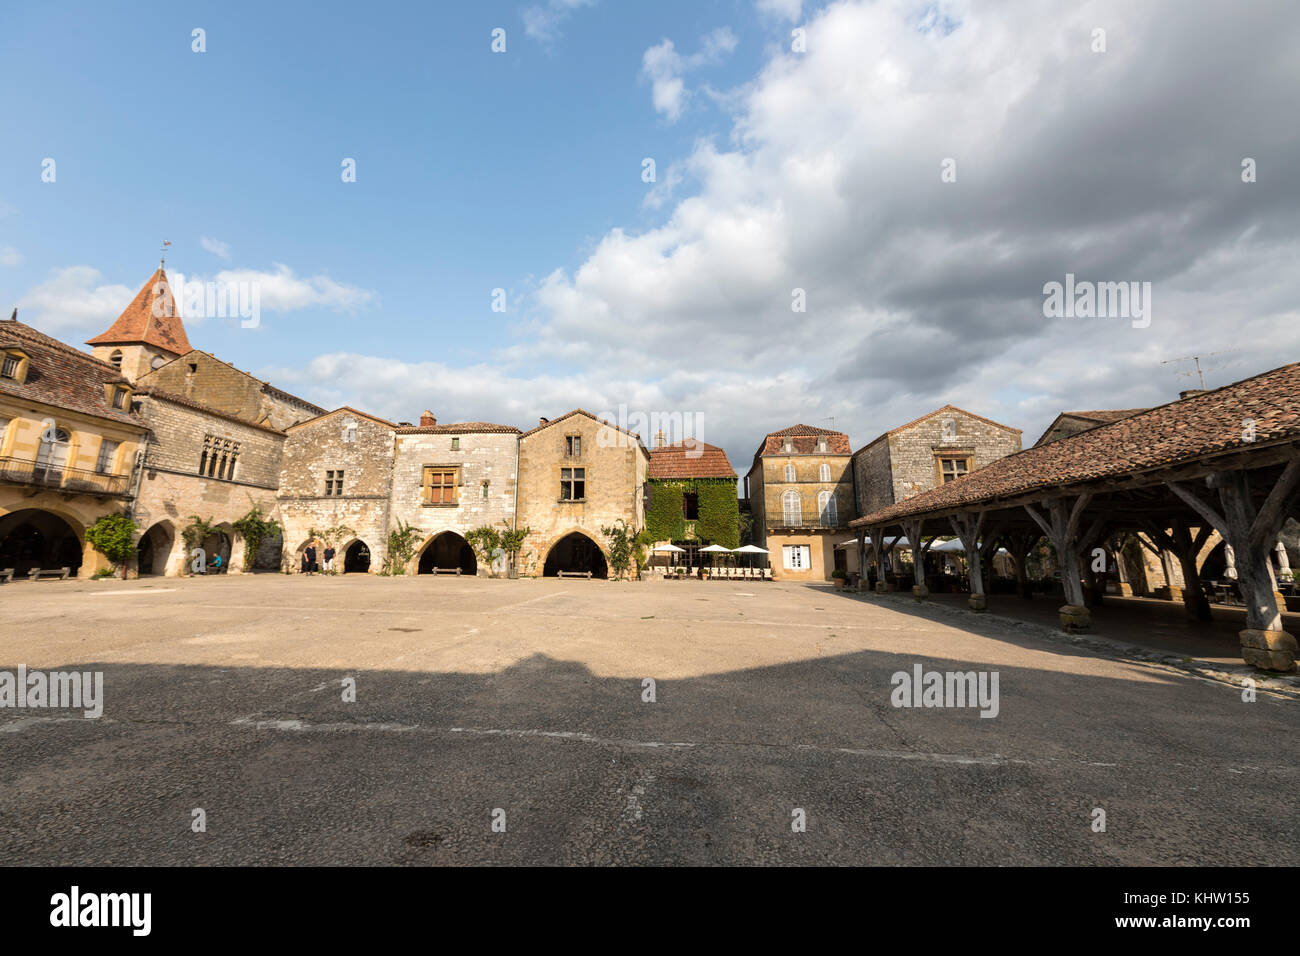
{"points": [[777, 169]]}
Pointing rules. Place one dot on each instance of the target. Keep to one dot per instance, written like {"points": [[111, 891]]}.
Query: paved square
{"points": [[473, 695]]}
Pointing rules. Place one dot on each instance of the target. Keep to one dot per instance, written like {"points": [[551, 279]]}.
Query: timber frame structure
{"points": [[1227, 460]]}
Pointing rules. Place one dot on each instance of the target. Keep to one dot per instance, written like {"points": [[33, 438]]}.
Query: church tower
{"points": [[147, 334]]}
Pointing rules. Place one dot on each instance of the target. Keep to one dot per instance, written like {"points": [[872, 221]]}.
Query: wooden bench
{"points": [[35, 574], [573, 574], [6, 575], [446, 570]]}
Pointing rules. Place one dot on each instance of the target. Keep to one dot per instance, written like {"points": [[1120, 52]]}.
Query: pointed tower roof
{"points": [[152, 318]]}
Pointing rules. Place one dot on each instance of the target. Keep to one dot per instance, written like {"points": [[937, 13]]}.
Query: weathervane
{"points": [[162, 261]]}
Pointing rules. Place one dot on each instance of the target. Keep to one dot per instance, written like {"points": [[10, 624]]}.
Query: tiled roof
{"points": [[805, 441], [459, 428], [580, 411], [342, 408], [63, 376], [1183, 431], [165, 396], [1108, 415], [938, 411], [142, 322], [690, 459]]}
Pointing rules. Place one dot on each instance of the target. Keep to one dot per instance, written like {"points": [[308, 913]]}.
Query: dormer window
{"points": [[13, 365], [821, 445], [787, 446], [119, 396]]}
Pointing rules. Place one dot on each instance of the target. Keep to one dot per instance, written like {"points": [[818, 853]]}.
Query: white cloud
{"points": [[664, 67], [9, 256], [283, 291], [72, 300], [216, 247], [542, 21], [781, 9]]}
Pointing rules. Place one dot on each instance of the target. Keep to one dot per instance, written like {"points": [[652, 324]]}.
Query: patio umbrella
{"points": [[670, 549], [714, 549], [750, 549]]}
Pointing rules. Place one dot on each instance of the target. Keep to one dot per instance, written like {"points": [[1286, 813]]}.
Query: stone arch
{"points": [[40, 538], [356, 557], [575, 550], [154, 549], [446, 551]]}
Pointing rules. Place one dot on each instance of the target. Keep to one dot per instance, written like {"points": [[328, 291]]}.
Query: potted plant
{"points": [[840, 577]]}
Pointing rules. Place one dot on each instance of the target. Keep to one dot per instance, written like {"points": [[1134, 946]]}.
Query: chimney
{"points": [[1191, 392], [659, 438], [542, 421], [427, 420]]}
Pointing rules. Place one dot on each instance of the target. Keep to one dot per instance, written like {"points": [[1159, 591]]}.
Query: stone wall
{"points": [[616, 467], [485, 495], [208, 380], [875, 482]]}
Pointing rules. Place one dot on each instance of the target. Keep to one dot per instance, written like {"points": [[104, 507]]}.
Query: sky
{"points": [[855, 212]]}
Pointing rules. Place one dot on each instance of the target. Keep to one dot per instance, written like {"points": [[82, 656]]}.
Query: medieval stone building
{"points": [[693, 499], [800, 490]]}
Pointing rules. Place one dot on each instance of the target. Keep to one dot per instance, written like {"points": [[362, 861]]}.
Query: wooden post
{"points": [[1061, 525], [1251, 534], [913, 527], [1185, 546], [967, 527]]}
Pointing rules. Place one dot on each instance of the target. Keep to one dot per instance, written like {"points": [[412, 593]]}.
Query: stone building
{"points": [[148, 334], [926, 453], [448, 480], [577, 475], [692, 499], [800, 490], [337, 474], [68, 444], [1071, 423], [203, 463], [202, 377]]}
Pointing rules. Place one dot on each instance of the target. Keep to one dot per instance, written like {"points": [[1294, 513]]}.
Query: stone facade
{"points": [[480, 460], [204, 378], [925, 453], [337, 472], [614, 465], [201, 462], [800, 488]]}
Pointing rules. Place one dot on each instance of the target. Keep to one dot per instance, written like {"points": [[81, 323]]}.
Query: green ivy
{"points": [[719, 510], [112, 536]]}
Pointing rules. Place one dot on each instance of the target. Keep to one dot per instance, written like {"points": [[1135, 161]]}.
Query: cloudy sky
{"points": [[911, 173]]}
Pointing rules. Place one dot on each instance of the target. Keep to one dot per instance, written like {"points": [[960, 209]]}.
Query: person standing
{"points": [[329, 558], [304, 563], [311, 558]]}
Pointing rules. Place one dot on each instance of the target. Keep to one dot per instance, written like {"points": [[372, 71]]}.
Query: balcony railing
{"points": [[70, 480], [791, 523]]}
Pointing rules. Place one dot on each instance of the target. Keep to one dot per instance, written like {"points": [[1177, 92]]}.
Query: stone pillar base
{"points": [[882, 587], [1175, 592], [920, 592], [1075, 617], [1125, 590], [978, 602], [1272, 650]]}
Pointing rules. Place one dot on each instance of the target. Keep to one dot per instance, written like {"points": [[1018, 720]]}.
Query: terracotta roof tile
{"points": [[141, 321], [1183, 431], [690, 459], [459, 428], [805, 441]]}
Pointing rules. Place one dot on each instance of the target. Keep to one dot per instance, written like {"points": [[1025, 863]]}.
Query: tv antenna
{"points": [[1200, 372]]}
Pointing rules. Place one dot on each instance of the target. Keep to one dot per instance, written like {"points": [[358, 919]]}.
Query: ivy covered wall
{"points": [[719, 511]]}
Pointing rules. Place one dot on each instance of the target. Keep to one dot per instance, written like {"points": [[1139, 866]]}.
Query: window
{"points": [[789, 472], [119, 397], [573, 484], [953, 468], [116, 359], [787, 446], [825, 473], [796, 557], [949, 426], [4, 427], [349, 431], [9, 369], [53, 452], [333, 484], [455, 443], [691, 506], [440, 485], [573, 446], [107, 452], [828, 509], [485, 489], [218, 458], [792, 509], [821, 445]]}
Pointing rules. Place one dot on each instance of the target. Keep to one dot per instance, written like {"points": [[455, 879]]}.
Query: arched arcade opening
{"points": [[447, 552], [575, 552], [153, 549], [356, 558], [34, 538]]}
